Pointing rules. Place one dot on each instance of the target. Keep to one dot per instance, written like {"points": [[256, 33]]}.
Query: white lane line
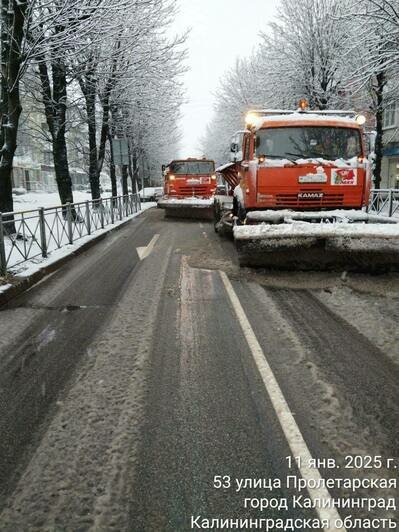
{"points": [[143, 252], [290, 428]]}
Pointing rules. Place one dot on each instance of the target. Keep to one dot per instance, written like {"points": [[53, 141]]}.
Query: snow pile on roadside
{"points": [[4, 287], [302, 230]]}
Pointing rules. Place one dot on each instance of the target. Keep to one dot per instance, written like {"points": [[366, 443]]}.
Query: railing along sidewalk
{"points": [[384, 201], [32, 234]]}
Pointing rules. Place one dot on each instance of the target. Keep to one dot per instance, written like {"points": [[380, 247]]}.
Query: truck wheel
{"points": [[216, 215], [235, 206], [241, 214]]}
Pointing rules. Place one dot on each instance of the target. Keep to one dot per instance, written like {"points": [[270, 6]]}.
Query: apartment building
{"points": [[390, 161]]}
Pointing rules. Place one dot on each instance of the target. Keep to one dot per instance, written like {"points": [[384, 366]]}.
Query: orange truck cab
{"points": [[186, 178], [302, 160]]}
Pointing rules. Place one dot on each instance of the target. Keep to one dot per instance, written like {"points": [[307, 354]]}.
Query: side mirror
{"points": [[237, 156], [163, 167], [234, 147]]}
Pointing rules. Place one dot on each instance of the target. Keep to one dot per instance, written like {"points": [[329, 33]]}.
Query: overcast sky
{"points": [[221, 31]]}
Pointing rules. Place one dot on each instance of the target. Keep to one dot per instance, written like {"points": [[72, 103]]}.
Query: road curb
{"points": [[25, 283]]}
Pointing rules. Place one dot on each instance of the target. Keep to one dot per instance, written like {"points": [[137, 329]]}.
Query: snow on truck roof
{"points": [[263, 117], [192, 159], [313, 118]]}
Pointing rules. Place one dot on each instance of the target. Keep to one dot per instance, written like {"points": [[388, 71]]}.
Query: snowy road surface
{"points": [[131, 379]]}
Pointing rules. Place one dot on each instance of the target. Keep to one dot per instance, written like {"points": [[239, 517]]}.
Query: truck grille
{"points": [[292, 200], [196, 190]]}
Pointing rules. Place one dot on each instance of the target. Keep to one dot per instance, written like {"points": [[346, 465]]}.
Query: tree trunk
{"points": [[89, 91], [62, 169], [105, 101], [61, 165], [136, 171], [125, 190], [112, 172], [131, 173], [379, 117], [10, 102], [94, 176], [104, 132], [55, 111]]}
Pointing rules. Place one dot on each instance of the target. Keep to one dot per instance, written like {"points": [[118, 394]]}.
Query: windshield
{"points": [[192, 167], [307, 142]]}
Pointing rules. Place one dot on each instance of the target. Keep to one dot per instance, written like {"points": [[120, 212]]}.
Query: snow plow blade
{"points": [[193, 208], [368, 244]]}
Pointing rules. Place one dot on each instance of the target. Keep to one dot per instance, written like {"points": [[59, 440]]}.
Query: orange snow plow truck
{"points": [[301, 188], [189, 188]]}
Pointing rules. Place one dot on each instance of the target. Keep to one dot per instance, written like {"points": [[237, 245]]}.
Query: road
{"points": [[131, 379]]}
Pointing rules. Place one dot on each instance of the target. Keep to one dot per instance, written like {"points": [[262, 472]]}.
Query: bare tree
{"points": [[13, 13], [376, 74]]}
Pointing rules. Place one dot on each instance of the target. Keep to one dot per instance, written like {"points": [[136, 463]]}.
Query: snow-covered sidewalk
{"points": [[60, 248], [42, 225]]}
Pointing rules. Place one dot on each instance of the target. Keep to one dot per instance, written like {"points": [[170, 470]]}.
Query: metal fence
{"points": [[384, 201], [31, 235]]}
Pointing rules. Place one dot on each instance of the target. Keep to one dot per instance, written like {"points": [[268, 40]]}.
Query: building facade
{"points": [[390, 160], [33, 168]]}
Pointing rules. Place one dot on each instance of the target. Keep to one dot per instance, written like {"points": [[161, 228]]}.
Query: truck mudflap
{"points": [[192, 208], [366, 244]]}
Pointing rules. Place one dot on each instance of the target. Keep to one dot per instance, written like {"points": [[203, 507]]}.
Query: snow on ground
{"points": [[4, 287], [35, 200], [373, 315], [150, 191], [395, 210], [37, 262], [27, 224]]}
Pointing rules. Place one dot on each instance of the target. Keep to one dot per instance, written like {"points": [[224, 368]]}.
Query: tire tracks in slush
{"points": [[342, 419], [81, 475]]}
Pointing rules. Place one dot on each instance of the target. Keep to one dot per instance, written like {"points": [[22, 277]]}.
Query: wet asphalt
{"points": [[204, 410]]}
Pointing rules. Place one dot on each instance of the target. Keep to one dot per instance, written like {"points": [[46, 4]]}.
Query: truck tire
{"points": [[239, 211], [216, 215]]}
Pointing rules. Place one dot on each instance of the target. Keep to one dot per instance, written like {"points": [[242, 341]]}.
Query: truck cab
{"points": [[303, 160], [184, 178]]}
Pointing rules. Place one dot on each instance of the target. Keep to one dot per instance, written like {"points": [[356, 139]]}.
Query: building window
{"points": [[47, 157], [390, 116]]}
